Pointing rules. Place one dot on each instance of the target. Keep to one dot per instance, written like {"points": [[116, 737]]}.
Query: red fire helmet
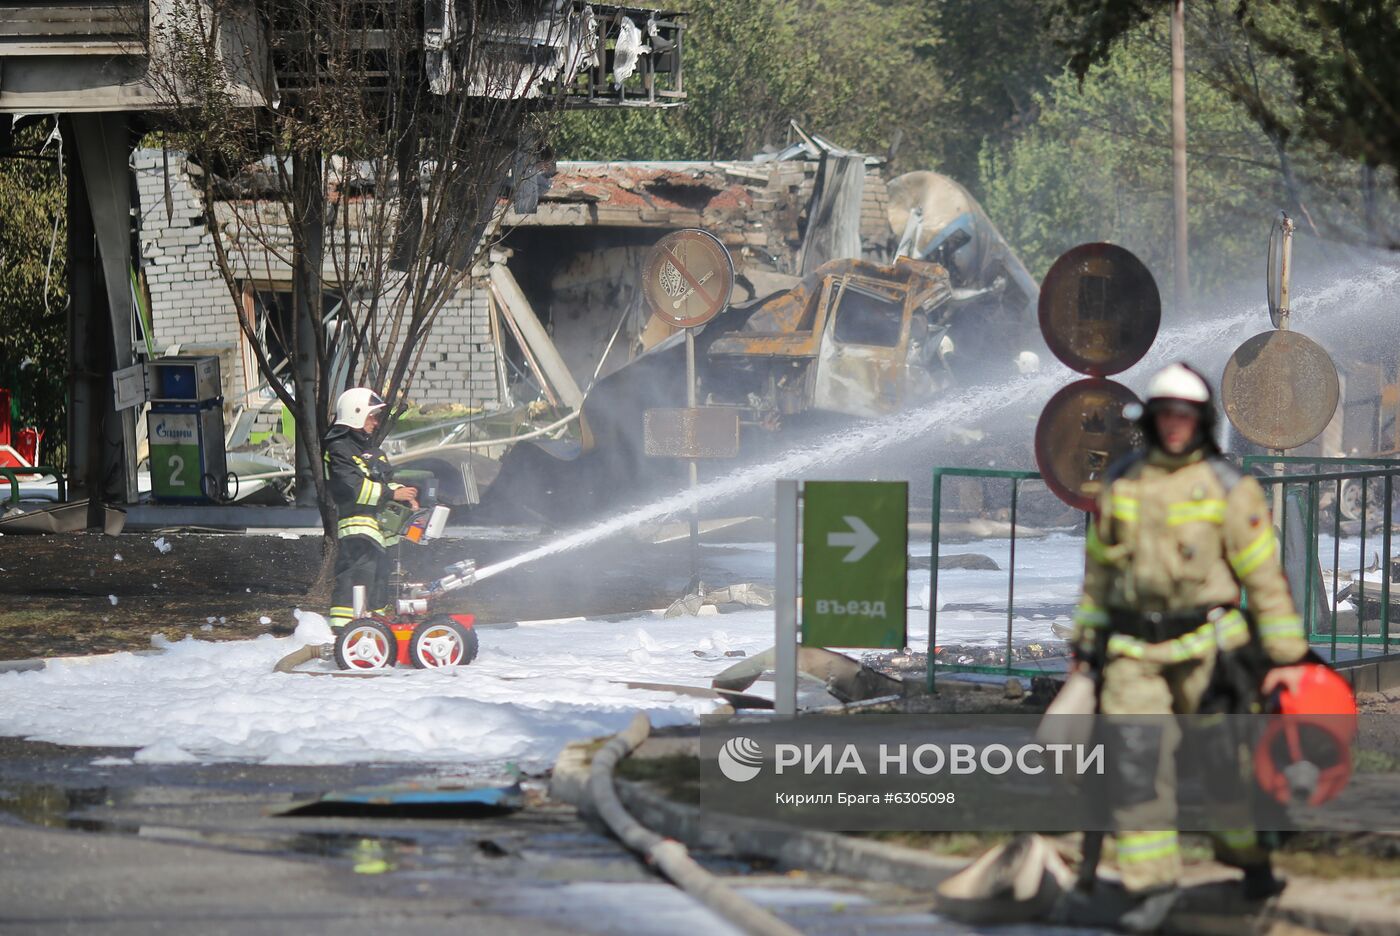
{"points": [[1305, 751]]}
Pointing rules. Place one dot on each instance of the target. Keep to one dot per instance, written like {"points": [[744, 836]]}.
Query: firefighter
{"points": [[1178, 532], [360, 479]]}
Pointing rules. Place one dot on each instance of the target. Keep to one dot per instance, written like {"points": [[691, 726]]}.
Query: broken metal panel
{"points": [[515, 308], [833, 223], [72, 27], [55, 66], [586, 54], [691, 432]]}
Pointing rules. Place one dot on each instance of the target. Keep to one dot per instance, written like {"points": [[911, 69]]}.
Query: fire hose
{"points": [[670, 856]]}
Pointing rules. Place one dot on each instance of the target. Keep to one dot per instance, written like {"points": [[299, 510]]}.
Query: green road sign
{"points": [[855, 563]]}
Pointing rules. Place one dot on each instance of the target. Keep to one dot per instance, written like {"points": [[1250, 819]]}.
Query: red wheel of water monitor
{"points": [[441, 641], [366, 645]]}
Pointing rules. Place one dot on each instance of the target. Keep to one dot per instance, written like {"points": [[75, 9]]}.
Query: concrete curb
{"points": [[1344, 908]]}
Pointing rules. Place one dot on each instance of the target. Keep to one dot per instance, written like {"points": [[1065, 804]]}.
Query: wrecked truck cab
{"points": [[854, 338]]}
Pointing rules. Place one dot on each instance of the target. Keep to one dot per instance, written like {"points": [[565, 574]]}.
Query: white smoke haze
{"points": [[1334, 308]]}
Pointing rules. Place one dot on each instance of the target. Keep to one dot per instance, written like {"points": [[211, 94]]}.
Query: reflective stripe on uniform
{"points": [[1094, 546], [370, 492], [1134, 847], [1230, 630], [1237, 839], [1089, 616], [1123, 508], [1281, 625], [360, 526], [1197, 511], [1255, 554]]}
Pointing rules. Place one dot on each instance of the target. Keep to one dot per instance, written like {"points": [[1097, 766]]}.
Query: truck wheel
{"points": [[366, 645], [441, 641]]}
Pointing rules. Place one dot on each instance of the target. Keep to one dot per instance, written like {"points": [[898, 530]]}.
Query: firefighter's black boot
{"points": [[1260, 882], [1150, 911]]}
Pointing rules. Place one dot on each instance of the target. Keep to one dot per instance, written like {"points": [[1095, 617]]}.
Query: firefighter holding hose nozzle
{"points": [[1178, 532], [361, 483]]}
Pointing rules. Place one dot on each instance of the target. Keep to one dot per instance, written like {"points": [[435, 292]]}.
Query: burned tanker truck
{"points": [[944, 303]]}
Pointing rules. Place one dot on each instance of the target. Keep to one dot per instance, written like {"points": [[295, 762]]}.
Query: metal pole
{"points": [[933, 573], [1310, 547], [690, 395], [1178, 40], [1388, 514], [1285, 271], [1336, 566], [785, 601], [1011, 575], [1361, 574]]}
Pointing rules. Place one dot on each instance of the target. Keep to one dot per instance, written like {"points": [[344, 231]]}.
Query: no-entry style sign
{"points": [[688, 278], [855, 563]]}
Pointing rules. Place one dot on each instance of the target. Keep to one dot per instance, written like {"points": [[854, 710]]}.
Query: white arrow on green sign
{"points": [[855, 563], [861, 539]]}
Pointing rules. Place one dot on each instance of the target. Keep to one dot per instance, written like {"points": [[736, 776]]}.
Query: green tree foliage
{"points": [[1096, 164], [33, 296], [861, 72], [995, 59], [1340, 55]]}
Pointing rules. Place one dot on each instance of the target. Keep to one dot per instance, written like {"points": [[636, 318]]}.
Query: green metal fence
{"points": [[1016, 479], [1303, 494]]}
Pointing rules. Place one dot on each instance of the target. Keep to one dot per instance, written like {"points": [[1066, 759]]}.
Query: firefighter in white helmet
{"points": [[1178, 533], [361, 482]]}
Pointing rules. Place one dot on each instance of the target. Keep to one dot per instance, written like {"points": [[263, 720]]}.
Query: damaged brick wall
{"points": [[191, 306]]}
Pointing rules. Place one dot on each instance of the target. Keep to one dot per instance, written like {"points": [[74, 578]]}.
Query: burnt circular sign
{"points": [[688, 277], [1099, 309]]}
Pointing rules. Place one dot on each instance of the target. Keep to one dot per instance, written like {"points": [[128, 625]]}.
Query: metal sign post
{"points": [[1280, 269], [687, 280], [854, 539], [690, 394], [785, 602]]}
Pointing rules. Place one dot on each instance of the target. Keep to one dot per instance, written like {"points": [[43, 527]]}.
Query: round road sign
{"points": [[1278, 260], [1081, 432], [1280, 389], [1099, 309], [688, 278]]}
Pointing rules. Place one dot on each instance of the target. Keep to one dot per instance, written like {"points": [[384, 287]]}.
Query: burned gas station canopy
{"points": [[69, 56]]}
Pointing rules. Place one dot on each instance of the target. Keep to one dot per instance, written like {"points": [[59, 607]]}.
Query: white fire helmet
{"points": [[1178, 382], [355, 406]]}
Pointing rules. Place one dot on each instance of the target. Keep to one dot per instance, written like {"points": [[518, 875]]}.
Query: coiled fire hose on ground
{"points": [[670, 856]]}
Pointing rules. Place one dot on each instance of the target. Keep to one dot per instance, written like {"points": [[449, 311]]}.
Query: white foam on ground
{"points": [[532, 690]]}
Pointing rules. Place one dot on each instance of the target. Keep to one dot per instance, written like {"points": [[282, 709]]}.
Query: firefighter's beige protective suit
{"points": [[1179, 534]]}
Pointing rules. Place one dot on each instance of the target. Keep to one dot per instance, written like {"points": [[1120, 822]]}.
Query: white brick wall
{"points": [[191, 305]]}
